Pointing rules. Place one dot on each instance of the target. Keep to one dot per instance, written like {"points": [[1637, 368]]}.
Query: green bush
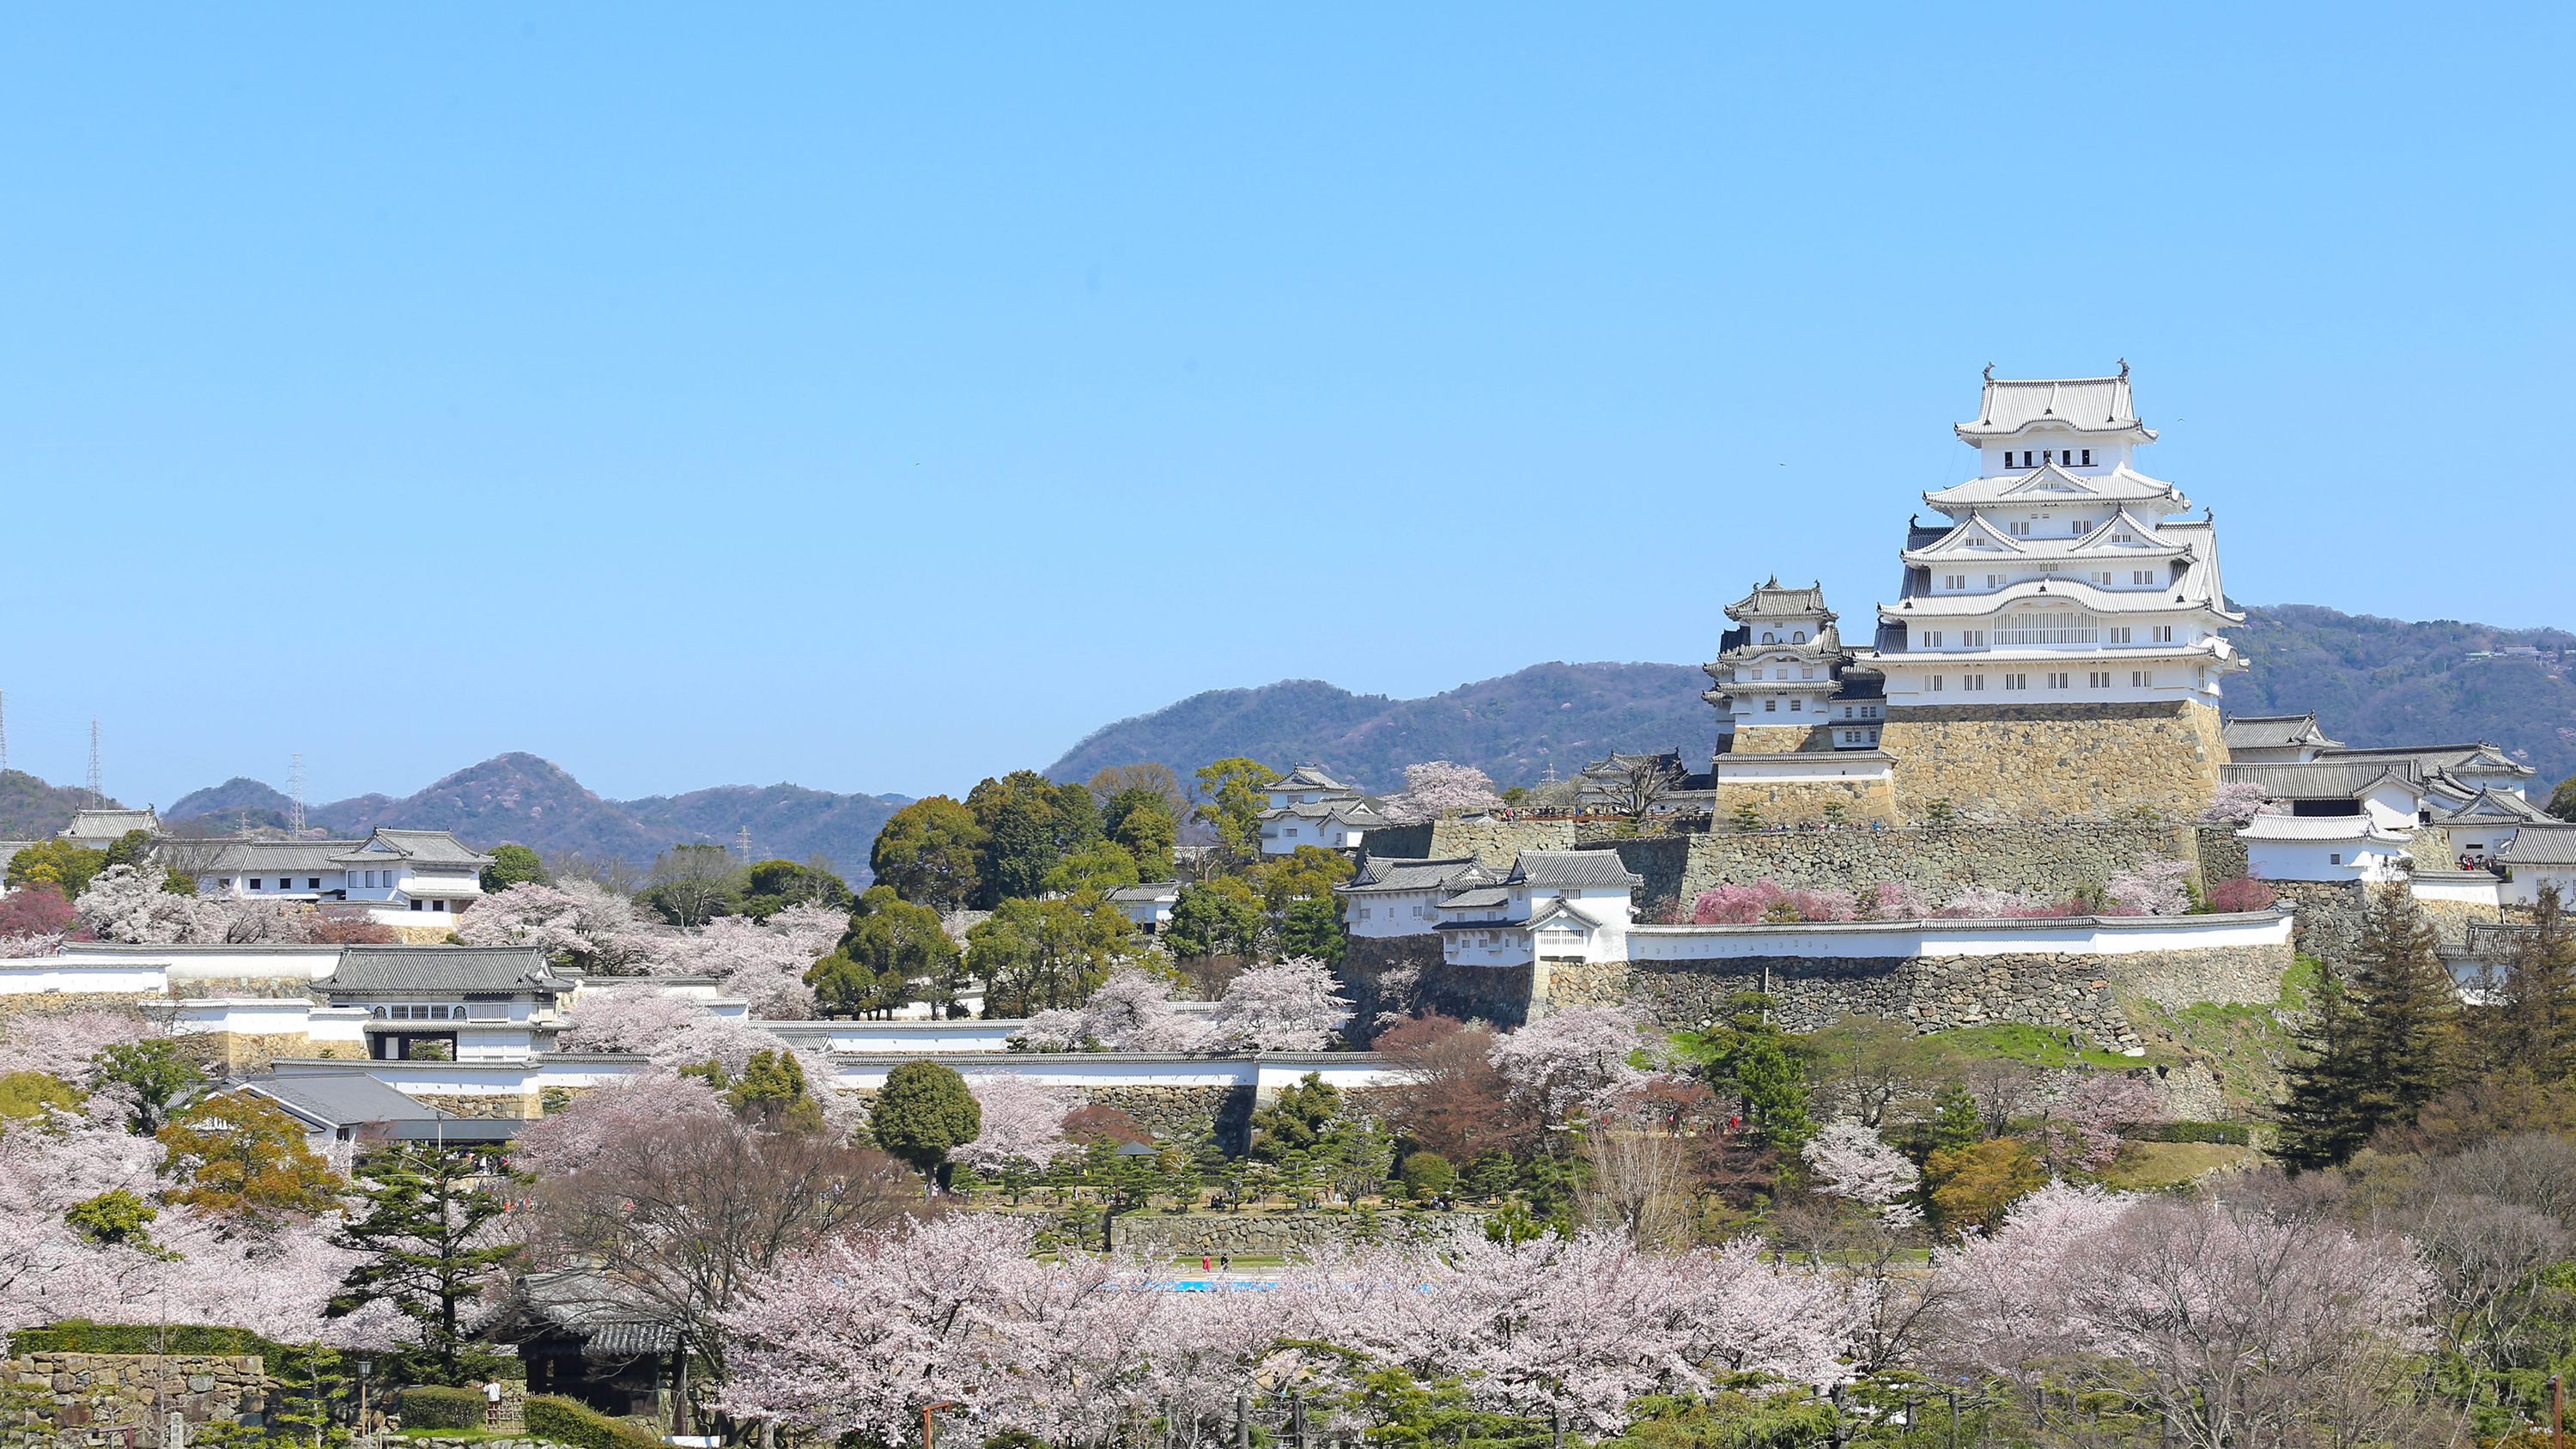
{"points": [[2230, 1133], [570, 1421], [426, 1406], [79, 1335], [1427, 1174]]}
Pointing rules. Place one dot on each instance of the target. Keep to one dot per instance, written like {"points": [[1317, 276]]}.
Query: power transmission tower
{"points": [[746, 845], [97, 796], [295, 799]]}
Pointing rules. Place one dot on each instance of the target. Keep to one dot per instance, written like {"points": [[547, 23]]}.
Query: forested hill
{"points": [[1512, 728], [2372, 681], [532, 801], [2387, 682]]}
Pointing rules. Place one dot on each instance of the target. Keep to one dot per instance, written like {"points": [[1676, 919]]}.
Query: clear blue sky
{"points": [[878, 398]]}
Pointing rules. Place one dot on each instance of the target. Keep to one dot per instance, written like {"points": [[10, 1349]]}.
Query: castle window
{"points": [[2025, 457], [2084, 525], [2120, 636], [1932, 682], [1972, 681], [2088, 458], [1364, 913], [2103, 578], [1807, 673], [1931, 638], [2141, 577], [2019, 530], [1770, 639], [2016, 681], [1954, 581], [1771, 705], [2057, 681], [1795, 701], [2141, 679], [1994, 581], [1798, 638], [2335, 858], [2164, 634], [1973, 638], [2098, 679]]}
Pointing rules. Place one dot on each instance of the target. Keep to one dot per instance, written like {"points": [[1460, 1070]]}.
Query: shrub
{"points": [[426, 1406], [2242, 893], [569, 1421], [79, 1335], [1427, 1174]]}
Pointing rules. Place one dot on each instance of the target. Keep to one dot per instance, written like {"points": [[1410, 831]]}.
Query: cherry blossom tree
{"points": [[1440, 788], [2153, 888], [1023, 1122], [575, 1136], [598, 928], [2083, 1116], [1131, 1012], [764, 962], [1287, 1006], [1851, 1161], [2236, 802], [628, 1019], [1897, 900], [1769, 900], [1572, 1060], [61, 1044], [2235, 1325], [20, 947]]}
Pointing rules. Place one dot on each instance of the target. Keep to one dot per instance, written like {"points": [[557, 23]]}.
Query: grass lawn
{"points": [[2036, 1046], [2162, 1164]]}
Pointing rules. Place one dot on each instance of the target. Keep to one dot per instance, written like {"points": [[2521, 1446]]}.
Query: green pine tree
{"points": [[2383, 1039], [426, 1208], [1956, 1122]]}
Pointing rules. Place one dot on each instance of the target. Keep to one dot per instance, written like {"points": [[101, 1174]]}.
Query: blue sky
{"points": [[879, 398]]}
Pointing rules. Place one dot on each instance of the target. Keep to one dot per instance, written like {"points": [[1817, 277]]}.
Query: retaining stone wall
{"points": [[47, 1003], [1185, 1114], [87, 1396], [482, 1104], [1500, 995], [2328, 920], [1803, 802], [1780, 739], [2079, 992], [2450, 919], [2009, 762], [1938, 861], [2222, 855]]}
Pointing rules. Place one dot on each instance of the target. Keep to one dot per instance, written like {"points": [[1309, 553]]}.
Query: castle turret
{"points": [[1780, 677]]}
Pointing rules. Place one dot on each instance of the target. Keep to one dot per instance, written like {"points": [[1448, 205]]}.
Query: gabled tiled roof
{"points": [[1390, 873], [424, 847], [2317, 827], [383, 970], [1307, 777], [1573, 870], [2490, 806], [1479, 896], [339, 1099], [2478, 757], [109, 824], [2050, 484], [1771, 601], [2552, 844], [2086, 404], [1140, 894], [2328, 779], [251, 857], [1558, 908], [2274, 731]]}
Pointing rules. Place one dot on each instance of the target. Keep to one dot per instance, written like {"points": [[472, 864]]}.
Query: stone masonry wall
{"points": [[2024, 763], [1185, 1114], [1803, 802], [482, 1104], [82, 1399], [47, 1003], [2070, 991], [1938, 861], [1780, 739], [1423, 982]]}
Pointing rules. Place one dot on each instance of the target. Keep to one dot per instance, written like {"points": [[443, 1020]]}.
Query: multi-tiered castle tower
{"points": [[2054, 650]]}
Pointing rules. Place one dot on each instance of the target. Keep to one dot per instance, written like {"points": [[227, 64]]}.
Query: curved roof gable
{"points": [[2052, 484], [2092, 405]]}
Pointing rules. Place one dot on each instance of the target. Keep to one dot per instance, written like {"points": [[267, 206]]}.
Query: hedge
{"points": [[2230, 1133], [427, 1406], [79, 1335], [570, 1421]]}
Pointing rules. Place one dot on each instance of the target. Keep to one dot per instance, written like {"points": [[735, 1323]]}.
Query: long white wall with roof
{"points": [[2061, 935]]}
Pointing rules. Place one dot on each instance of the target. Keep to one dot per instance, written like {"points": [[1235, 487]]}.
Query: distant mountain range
{"points": [[523, 799], [2371, 681]]}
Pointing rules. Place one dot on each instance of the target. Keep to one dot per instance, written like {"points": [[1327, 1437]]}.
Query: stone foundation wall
{"points": [[1781, 739], [2450, 919], [81, 1400], [2048, 860], [2222, 855], [2012, 762], [1803, 802], [1185, 1114], [47, 1003], [246, 1052], [2328, 920], [1500, 995], [422, 935], [2073, 992]]}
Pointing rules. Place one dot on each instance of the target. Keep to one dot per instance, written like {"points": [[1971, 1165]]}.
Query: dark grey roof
{"points": [[1378, 872], [1574, 870], [383, 970], [2326, 779], [340, 1099], [2478, 756], [611, 1318], [1477, 896], [2275, 731], [1157, 891], [109, 824], [1307, 777], [425, 847], [251, 857], [2541, 845]]}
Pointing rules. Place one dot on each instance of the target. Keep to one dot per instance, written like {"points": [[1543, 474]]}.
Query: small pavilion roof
{"points": [[2274, 731], [1771, 601], [2090, 405]]}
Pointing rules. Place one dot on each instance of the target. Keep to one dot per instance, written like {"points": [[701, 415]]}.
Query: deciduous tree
{"points": [[514, 865], [1232, 794], [930, 852]]}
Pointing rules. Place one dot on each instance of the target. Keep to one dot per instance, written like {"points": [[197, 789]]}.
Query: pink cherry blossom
{"points": [[1440, 788], [1287, 1006], [1023, 1122], [1574, 1059]]}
